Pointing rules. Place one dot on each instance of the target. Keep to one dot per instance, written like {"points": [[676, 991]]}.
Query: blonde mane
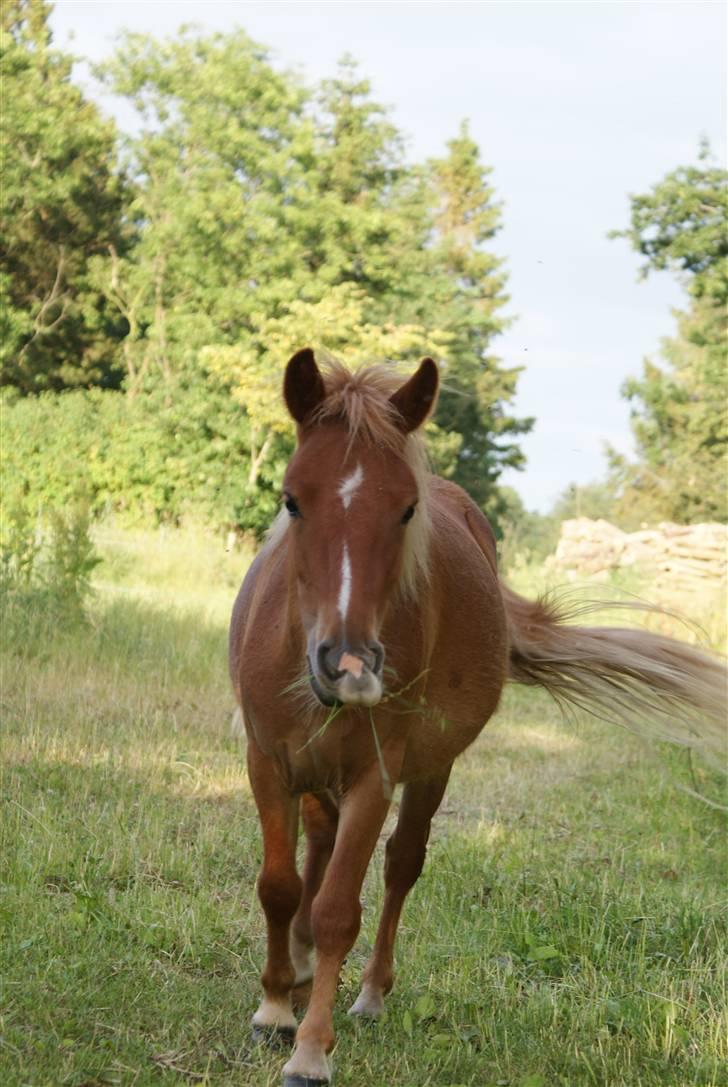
{"points": [[360, 400]]}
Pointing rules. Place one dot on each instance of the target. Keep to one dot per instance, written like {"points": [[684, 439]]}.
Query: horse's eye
{"points": [[408, 514], [291, 506]]}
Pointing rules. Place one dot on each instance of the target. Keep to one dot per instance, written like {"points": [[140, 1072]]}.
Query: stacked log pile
{"points": [[681, 555]]}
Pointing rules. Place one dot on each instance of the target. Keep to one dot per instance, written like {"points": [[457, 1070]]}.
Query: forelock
{"points": [[360, 399]]}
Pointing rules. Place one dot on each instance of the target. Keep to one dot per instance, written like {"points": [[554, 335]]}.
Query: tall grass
{"points": [[172, 568]]}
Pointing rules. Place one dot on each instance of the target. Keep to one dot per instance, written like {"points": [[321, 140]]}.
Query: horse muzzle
{"points": [[347, 676]]}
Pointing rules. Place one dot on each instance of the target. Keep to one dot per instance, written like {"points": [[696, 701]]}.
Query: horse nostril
{"points": [[325, 663], [377, 652]]}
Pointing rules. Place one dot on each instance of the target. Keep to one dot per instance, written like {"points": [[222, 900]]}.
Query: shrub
{"points": [[167, 455], [45, 567]]}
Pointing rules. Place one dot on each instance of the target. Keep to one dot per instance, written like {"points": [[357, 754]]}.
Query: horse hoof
{"points": [[305, 1081], [276, 1037]]}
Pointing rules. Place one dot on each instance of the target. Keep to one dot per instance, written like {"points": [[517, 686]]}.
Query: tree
{"points": [[222, 149], [680, 226], [595, 500], [269, 216], [678, 407], [524, 535], [254, 214], [361, 211], [680, 426], [253, 372], [62, 200], [477, 390]]}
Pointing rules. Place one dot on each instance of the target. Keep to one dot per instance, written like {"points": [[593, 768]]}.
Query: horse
{"points": [[369, 644]]}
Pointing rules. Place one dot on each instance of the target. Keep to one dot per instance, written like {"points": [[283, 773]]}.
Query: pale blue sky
{"points": [[575, 105]]}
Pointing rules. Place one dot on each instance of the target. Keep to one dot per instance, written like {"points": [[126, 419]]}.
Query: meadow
{"points": [[569, 927]]}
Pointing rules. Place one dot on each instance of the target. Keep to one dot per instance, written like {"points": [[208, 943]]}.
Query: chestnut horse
{"points": [[369, 645]]}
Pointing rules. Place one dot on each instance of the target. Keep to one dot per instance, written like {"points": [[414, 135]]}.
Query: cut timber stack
{"points": [[681, 555]]}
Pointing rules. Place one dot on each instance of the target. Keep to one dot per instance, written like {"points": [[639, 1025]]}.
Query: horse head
{"points": [[354, 493]]}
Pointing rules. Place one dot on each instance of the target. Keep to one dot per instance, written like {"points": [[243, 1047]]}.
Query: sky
{"points": [[574, 105]]}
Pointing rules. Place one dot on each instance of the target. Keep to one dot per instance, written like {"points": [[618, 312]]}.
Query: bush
{"points": [[165, 456], [45, 567]]}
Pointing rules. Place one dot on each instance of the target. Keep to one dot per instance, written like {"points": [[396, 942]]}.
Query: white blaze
{"points": [[349, 486], [347, 489], [345, 590]]}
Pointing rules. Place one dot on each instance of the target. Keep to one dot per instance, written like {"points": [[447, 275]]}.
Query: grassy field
{"points": [[569, 928]]}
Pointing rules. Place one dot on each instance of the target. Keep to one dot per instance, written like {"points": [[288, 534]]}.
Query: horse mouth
{"points": [[349, 693], [325, 697]]}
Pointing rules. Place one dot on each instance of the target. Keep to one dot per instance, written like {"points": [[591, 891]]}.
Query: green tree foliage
{"points": [[363, 218], [180, 451], [271, 216], [263, 215], [477, 391], [679, 407], [680, 226], [524, 535], [222, 146], [61, 204], [596, 500], [45, 567]]}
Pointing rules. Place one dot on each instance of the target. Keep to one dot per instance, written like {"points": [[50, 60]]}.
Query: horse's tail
{"points": [[653, 684], [237, 725]]}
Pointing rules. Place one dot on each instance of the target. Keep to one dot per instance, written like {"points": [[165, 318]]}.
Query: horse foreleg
{"points": [[279, 890], [335, 921], [404, 859], [320, 819]]}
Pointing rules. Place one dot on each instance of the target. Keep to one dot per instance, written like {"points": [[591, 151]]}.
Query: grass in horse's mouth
{"points": [[296, 684], [304, 680], [331, 716], [390, 695], [386, 781]]}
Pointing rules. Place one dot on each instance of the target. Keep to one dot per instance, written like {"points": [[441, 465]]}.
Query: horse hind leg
{"points": [[404, 858], [320, 820], [279, 891]]}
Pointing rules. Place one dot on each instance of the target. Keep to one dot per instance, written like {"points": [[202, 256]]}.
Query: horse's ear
{"points": [[416, 398], [303, 386]]}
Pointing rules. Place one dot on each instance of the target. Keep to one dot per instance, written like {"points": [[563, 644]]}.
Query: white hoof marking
{"points": [[309, 1061], [275, 1013], [369, 1004]]}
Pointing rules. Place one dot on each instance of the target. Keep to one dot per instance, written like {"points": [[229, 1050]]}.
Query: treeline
{"points": [[153, 284], [172, 272]]}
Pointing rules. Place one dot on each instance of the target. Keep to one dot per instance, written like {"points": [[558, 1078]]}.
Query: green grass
{"points": [[569, 928], [173, 568]]}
